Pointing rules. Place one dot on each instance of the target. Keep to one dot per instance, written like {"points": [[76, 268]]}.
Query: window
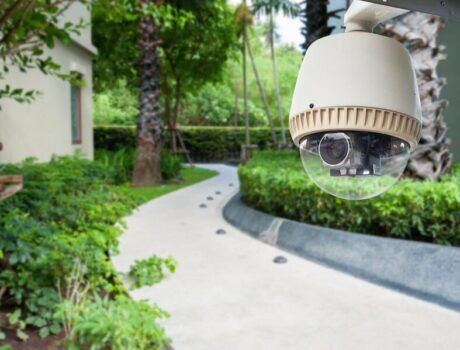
{"points": [[75, 105]]}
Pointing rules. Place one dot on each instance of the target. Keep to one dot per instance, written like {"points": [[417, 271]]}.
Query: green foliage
{"points": [[204, 143], [150, 271], [120, 324], [66, 212], [116, 105], [25, 29], [171, 166], [67, 216], [275, 182], [114, 138], [214, 105], [196, 40], [118, 165], [195, 48], [116, 39]]}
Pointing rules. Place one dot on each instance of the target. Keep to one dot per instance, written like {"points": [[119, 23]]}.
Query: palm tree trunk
{"points": [[315, 18], [275, 77], [147, 170], [235, 108], [262, 94], [245, 87], [418, 32]]}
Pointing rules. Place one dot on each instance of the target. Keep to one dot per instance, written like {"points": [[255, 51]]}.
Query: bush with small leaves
{"points": [[150, 271], [275, 182]]}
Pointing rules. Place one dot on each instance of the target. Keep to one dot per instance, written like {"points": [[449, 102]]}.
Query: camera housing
{"points": [[356, 99]]}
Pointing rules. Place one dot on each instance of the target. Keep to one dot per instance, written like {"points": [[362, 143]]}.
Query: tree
{"points": [[26, 28], [196, 43], [244, 19], [116, 36], [315, 17], [418, 32], [147, 168], [147, 16], [271, 8]]}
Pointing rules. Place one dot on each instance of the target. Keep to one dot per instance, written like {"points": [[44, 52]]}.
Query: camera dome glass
{"points": [[354, 165]]}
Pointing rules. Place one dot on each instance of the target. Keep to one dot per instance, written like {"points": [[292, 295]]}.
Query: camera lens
{"points": [[334, 148]]}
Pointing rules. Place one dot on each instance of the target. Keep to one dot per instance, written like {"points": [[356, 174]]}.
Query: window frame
{"points": [[78, 139]]}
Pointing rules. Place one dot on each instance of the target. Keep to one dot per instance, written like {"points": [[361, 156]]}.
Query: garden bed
{"points": [[275, 182], [56, 236]]}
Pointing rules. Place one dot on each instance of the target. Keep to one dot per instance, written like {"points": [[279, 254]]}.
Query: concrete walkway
{"points": [[227, 293]]}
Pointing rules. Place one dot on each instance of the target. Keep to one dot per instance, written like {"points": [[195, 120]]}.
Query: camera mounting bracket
{"points": [[445, 8], [365, 16]]}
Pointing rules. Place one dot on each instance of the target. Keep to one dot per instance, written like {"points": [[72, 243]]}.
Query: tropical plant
{"points": [[315, 17], [244, 19], [147, 169], [270, 8], [418, 32]]}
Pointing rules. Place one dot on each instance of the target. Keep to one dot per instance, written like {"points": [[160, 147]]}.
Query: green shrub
{"points": [[214, 104], [67, 216], [275, 182], [120, 324], [150, 271], [118, 165], [65, 212], [114, 138], [171, 166], [117, 105], [205, 143]]}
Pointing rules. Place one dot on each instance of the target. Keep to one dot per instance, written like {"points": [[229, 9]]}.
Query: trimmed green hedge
{"points": [[205, 143], [275, 182]]}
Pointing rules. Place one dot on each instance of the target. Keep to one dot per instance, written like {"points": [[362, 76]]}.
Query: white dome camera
{"points": [[356, 112]]}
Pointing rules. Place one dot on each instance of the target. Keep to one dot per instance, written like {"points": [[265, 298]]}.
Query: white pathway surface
{"points": [[227, 294]]}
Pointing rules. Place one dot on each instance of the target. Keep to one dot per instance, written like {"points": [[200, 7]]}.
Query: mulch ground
{"points": [[35, 342]]}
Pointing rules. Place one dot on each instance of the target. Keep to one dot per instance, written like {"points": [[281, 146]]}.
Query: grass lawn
{"points": [[190, 176]]}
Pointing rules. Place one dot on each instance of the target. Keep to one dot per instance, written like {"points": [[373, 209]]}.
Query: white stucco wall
{"points": [[43, 128]]}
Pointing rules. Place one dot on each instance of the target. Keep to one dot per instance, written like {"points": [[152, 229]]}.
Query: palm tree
{"points": [[147, 170], [263, 95], [270, 8], [244, 19], [418, 32], [315, 17]]}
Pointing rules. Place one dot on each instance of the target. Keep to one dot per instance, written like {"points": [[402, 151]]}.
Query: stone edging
{"points": [[426, 271]]}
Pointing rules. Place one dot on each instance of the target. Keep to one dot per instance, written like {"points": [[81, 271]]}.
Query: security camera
{"points": [[356, 113]]}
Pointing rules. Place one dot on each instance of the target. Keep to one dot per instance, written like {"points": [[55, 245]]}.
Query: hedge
{"points": [[276, 183], [205, 143]]}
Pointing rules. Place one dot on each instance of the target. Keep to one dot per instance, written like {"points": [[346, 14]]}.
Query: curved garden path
{"points": [[227, 294]]}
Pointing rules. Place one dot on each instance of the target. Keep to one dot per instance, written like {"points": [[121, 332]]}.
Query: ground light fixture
{"points": [[356, 113]]}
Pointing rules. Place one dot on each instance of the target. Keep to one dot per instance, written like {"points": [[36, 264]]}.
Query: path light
{"points": [[356, 113], [280, 260]]}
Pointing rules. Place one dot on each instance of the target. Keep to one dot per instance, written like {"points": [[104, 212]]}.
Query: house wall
{"points": [[43, 128]]}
